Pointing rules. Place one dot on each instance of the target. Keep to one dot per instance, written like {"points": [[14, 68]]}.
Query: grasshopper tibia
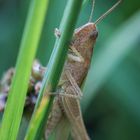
{"points": [[62, 92]]}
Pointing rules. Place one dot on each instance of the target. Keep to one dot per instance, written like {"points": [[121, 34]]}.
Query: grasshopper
{"points": [[66, 104]]}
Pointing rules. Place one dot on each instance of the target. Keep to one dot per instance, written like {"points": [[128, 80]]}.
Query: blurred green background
{"points": [[111, 103]]}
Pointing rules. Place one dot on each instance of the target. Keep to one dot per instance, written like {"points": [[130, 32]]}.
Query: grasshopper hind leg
{"points": [[53, 119]]}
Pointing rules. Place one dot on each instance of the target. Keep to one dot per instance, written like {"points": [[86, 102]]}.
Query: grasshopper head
{"points": [[87, 31], [85, 36], [83, 41]]}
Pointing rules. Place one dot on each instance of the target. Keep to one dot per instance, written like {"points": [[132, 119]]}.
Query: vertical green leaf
{"points": [[15, 103], [54, 70]]}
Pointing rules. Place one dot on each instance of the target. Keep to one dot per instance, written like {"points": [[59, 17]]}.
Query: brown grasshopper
{"points": [[67, 104]]}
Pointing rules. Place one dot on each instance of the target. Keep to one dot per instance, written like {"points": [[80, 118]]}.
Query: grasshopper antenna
{"points": [[108, 12], [91, 14]]}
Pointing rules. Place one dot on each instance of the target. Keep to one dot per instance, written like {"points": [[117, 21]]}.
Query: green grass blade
{"points": [[15, 103], [85, 2], [54, 70]]}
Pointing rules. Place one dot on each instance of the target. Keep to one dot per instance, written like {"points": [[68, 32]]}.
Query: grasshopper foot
{"points": [[57, 33]]}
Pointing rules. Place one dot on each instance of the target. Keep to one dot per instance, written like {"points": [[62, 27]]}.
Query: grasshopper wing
{"points": [[73, 112]]}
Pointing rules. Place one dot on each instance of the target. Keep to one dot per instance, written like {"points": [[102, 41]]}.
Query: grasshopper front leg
{"points": [[73, 54]]}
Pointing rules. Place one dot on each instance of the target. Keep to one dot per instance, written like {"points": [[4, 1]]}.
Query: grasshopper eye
{"points": [[94, 34]]}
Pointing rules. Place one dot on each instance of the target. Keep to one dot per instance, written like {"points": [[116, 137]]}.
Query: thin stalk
{"points": [[16, 98], [54, 70]]}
